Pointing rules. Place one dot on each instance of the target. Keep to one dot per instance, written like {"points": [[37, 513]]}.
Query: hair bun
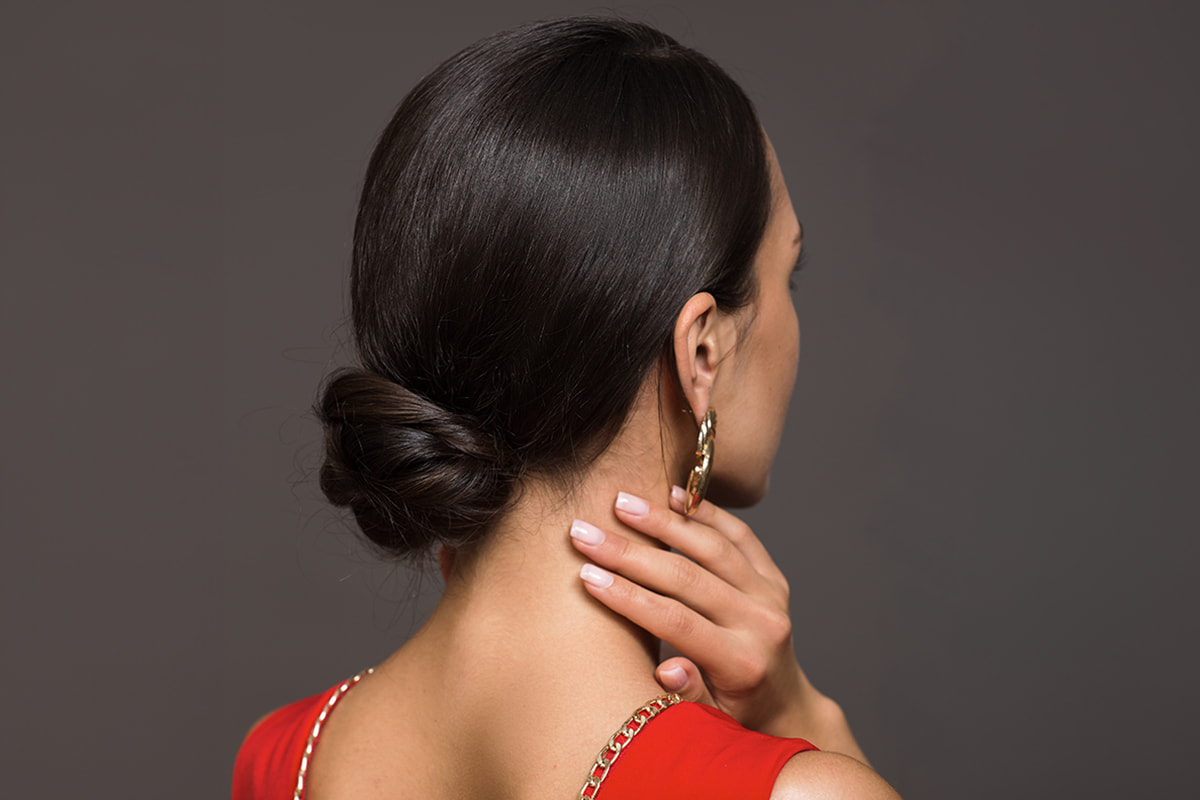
{"points": [[413, 473]]}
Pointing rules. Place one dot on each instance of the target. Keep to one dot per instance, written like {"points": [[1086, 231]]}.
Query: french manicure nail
{"points": [[596, 576], [676, 677], [679, 496], [632, 505], [586, 532]]}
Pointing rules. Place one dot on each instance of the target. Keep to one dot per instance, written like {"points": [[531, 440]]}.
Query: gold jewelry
{"points": [[620, 740], [315, 733], [697, 485], [608, 755]]}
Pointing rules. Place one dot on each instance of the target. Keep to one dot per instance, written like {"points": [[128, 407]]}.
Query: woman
{"points": [[574, 245]]}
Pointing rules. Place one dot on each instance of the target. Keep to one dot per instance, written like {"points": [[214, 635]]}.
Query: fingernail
{"points": [[674, 678], [631, 505], [596, 576], [586, 533], [679, 496]]}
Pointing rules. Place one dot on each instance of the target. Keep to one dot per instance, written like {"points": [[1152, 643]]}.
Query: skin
{"points": [[502, 692], [720, 598]]}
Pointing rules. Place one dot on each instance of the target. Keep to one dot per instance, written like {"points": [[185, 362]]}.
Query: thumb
{"points": [[681, 676]]}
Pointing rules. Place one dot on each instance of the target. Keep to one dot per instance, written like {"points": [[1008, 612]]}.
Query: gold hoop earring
{"points": [[697, 485]]}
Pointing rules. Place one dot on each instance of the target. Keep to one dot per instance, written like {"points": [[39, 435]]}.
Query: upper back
{"points": [[685, 750]]}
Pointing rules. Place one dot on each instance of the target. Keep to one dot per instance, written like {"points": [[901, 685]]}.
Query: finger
{"points": [[734, 529], [663, 572], [681, 676], [683, 628], [699, 541]]}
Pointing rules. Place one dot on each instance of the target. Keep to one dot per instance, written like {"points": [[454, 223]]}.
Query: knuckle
{"points": [[622, 591], [779, 629], [620, 548], [750, 665], [659, 519], [724, 551], [678, 619], [685, 574], [739, 531]]}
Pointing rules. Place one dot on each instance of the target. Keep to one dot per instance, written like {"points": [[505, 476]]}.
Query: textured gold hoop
{"points": [[697, 485]]}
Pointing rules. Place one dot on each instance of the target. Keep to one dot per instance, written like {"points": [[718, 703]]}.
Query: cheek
{"points": [[790, 357], [778, 369], [796, 351]]}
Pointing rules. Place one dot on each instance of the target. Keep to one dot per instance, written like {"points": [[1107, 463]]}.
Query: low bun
{"points": [[414, 474], [533, 218]]}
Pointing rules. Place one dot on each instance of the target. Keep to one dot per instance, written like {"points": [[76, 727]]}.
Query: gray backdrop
{"points": [[986, 496]]}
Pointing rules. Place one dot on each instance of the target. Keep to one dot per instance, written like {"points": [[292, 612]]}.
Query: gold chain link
{"points": [[315, 733], [608, 755], [620, 740]]}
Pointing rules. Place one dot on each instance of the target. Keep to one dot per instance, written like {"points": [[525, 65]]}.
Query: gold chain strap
{"points": [[315, 733], [608, 755], [620, 740]]}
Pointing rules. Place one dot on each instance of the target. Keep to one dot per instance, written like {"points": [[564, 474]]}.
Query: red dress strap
{"points": [[695, 751], [269, 760], [687, 750], [272, 763]]}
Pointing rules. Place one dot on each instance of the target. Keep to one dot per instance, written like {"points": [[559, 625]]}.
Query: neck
{"points": [[518, 601], [515, 617], [517, 640]]}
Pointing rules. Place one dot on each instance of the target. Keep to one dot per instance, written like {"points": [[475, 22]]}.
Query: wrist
{"points": [[799, 708], [816, 717], [827, 727]]}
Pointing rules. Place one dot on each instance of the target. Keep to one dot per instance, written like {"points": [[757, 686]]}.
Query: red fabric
{"points": [[688, 751], [694, 751], [269, 761]]}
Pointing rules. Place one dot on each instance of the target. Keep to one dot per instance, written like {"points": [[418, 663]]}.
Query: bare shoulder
{"points": [[819, 775]]}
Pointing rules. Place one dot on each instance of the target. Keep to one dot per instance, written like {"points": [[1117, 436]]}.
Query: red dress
{"points": [[688, 750]]}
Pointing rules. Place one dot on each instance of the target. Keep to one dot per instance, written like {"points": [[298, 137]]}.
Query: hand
{"points": [[721, 601]]}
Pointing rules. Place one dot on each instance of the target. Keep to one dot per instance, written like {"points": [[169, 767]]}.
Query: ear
{"points": [[704, 335]]}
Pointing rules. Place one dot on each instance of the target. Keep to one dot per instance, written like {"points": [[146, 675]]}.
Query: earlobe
{"points": [[700, 344]]}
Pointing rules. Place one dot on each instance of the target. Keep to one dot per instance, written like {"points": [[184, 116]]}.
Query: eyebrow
{"points": [[800, 234]]}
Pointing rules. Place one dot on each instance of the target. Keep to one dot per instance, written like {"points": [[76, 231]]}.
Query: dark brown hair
{"points": [[534, 217]]}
